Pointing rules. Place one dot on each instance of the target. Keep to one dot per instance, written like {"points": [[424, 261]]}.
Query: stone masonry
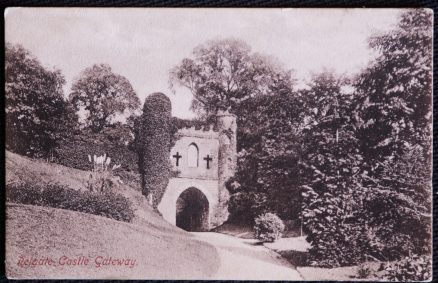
{"points": [[203, 160]]}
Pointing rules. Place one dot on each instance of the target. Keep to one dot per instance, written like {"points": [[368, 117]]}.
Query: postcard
{"points": [[218, 144]]}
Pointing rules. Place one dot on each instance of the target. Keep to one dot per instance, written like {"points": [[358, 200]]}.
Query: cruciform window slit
{"points": [[208, 159], [177, 156]]}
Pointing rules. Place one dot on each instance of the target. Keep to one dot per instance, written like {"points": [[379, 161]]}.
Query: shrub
{"points": [[296, 258], [25, 194], [363, 271], [334, 240], [401, 227], [101, 177], [413, 268], [131, 179], [347, 229], [268, 227], [106, 204]]}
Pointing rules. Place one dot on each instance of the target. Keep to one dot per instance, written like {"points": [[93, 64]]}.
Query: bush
{"points": [[108, 204], [296, 258], [385, 227], [268, 227], [363, 271], [131, 179], [413, 268], [101, 178]]}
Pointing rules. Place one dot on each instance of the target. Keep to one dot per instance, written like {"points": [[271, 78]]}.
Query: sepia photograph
{"points": [[218, 144]]}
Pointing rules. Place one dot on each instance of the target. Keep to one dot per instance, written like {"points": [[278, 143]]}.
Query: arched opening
{"points": [[192, 210], [193, 155]]}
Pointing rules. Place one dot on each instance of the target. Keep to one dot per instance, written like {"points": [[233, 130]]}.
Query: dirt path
{"points": [[242, 259]]}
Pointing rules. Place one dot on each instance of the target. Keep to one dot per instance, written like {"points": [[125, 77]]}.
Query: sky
{"points": [[143, 44]]}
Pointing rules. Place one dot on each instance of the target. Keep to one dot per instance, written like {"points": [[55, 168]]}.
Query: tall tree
{"points": [[396, 88], [367, 192], [394, 127], [227, 75], [103, 95], [269, 145], [37, 115], [329, 177], [223, 73]]}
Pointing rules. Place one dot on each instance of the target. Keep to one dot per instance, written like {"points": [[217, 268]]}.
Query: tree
{"points": [[103, 95], [396, 89], [394, 128], [37, 115], [366, 189], [330, 176], [227, 75], [223, 73], [269, 145]]}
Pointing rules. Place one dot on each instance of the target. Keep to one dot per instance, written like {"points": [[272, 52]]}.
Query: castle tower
{"points": [[227, 160]]}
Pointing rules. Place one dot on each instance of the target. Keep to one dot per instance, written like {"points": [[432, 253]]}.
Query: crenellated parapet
{"points": [[192, 132]]}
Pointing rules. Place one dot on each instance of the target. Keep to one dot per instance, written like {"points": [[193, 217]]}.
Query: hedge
{"points": [[110, 205]]}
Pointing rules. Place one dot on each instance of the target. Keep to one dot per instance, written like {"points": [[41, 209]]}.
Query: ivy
{"points": [[153, 139]]}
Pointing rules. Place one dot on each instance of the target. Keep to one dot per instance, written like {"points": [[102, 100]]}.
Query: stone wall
{"points": [[207, 144]]}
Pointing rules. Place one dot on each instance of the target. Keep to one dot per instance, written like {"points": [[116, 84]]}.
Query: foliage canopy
{"points": [[37, 115], [223, 73], [102, 96]]}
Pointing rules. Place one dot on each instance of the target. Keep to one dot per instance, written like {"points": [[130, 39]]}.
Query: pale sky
{"points": [[143, 44]]}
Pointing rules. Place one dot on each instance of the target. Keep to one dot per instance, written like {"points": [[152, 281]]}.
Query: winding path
{"points": [[243, 259]]}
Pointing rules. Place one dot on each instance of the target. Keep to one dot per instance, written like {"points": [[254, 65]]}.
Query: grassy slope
{"points": [[161, 250], [23, 169]]}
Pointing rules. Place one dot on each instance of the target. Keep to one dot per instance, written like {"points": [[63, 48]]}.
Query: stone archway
{"points": [[192, 210]]}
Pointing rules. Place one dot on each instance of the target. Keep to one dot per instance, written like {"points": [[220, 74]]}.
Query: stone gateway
{"points": [[196, 199]]}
